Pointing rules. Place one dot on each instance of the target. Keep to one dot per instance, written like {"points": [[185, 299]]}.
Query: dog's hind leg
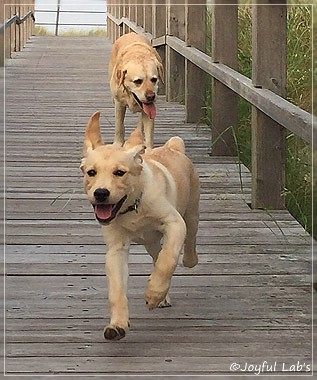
{"points": [[120, 114], [165, 265], [153, 250], [191, 218]]}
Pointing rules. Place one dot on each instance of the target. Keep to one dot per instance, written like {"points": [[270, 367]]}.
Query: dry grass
{"points": [[74, 32]]}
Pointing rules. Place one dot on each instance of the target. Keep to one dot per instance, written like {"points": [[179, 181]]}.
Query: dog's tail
{"points": [[176, 143]]}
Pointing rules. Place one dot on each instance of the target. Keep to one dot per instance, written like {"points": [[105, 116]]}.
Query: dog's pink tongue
{"points": [[103, 211], [150, 110]]}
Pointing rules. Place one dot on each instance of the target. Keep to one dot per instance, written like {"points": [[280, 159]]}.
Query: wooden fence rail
{"points": [[17, 25], [179, 31]]}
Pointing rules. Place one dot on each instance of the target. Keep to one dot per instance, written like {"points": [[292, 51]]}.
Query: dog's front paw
{"points": [[155, 294], [165, 303], [153, 299], [112, 332]]}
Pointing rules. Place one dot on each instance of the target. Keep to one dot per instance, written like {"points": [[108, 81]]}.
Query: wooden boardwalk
{"points": [[248, 300]]}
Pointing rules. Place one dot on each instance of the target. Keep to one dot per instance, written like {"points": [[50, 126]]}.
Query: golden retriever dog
{"points": [[149, 198], [135, 69]]}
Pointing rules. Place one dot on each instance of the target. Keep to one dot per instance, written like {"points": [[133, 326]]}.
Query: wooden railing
{"points": [[17, 25], [179, 34]]}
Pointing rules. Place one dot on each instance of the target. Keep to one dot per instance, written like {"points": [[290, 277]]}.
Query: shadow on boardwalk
{"points": [[248, 301]]}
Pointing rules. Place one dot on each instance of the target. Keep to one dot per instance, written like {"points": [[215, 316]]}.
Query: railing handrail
{"points": [[16, 19], [290, 116]]}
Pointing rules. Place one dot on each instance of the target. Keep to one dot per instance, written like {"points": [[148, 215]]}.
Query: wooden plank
{"points": [[276, 266], [92, 324], [147, 350], [269, 32], [88, 251], [248, 227], [27, 283], [65, 239], [63, 332], [166, 365], [47, 255], [182, 309]]}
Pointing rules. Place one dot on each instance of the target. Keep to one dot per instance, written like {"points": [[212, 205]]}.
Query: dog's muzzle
{"points": [[106, 212], [148, 107]]}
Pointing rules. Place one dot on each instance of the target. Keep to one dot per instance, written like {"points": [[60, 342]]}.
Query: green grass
{"points": [[298, 190]]}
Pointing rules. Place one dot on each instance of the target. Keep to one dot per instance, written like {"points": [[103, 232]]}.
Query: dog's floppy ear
{"points": [[92, 136], [135, 153], [136, 138], [160, 70], [134, 146], [159, 66], [120, 75]]}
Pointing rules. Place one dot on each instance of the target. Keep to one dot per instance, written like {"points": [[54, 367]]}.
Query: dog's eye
{"points": [[91, 172], [138, 82], [154, 80], [119, 173]]}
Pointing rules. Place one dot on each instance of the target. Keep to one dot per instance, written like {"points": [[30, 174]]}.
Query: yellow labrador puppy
{"points": [[135, 69], [151, 199]]}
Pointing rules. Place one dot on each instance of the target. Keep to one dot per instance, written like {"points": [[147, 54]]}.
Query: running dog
{"points": [[135, 69], [149, 198]]}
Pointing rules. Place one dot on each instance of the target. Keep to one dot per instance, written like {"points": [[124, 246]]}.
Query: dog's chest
{"points": [[142, 229], [127, 99]]}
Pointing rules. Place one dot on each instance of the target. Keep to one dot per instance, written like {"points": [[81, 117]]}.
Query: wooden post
{"points": [[139, 13], [23, 27], [2, 20], [195, 78], [224, 102], [57, 17], [269, 38], [109, 22], [12, 28], [7, 15], [32, 20], [19, 36], [108, 10], [159, 18], [121, 14], [126, 14], [115, 27], [147, 12], [132, 10], [159, 30], [175, 63]]}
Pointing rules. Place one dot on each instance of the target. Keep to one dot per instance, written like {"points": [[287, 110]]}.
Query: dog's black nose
{"points": [[101, 194], [150, 97]]}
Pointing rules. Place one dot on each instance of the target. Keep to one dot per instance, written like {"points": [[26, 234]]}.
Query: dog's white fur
{"points": [[135, 69], [167, 185]]}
